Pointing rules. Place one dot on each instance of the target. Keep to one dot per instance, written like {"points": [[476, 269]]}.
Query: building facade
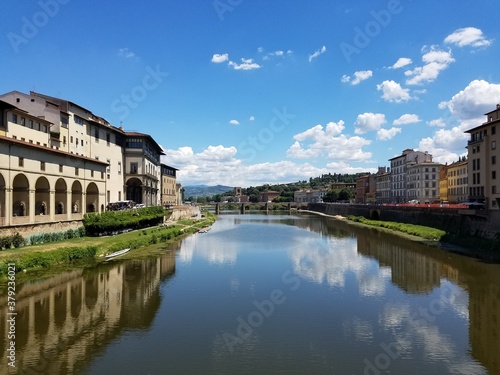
{"points": [[168, 185], [457, 182], [383, 185], [483, 156], [422, 182], [309, 196]]}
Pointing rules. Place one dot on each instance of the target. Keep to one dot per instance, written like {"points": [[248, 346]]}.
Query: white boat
{"points": [[117, 253]]}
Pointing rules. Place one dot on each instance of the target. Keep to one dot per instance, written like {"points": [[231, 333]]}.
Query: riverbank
{"points": [[488, 252], [33, 262]]}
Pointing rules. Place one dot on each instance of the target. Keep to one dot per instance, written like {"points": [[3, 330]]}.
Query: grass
{"points": [[421, 231], [71, 251]]}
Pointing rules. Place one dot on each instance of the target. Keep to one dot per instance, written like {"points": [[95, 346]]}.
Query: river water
{"points": [[265, 294]]}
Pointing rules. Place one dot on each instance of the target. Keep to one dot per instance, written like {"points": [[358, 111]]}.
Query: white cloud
{"points": [[329, 142], [246, 64], [386, 134], [369, 121], [468, 36], [252, 118], [393, 92], [359, 76], [435, 61], [474, 101], [278, 53], [219, 165], [402, 61], [220, 58], [260, 49], [439, 122], [234, 122], [317, 53], [406, 119]]}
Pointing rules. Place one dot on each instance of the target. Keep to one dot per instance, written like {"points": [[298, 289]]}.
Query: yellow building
{"points": [[168, 185]]}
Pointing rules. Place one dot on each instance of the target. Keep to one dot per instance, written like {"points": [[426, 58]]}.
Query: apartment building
{"points": [[168, 185], [362, 188], [483, 154], [457, 182], [383, 185], [422, 182], [399, 167], [309, 196]]}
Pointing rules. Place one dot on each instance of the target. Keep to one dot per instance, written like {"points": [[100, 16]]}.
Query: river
{"points": [[265, 294]]}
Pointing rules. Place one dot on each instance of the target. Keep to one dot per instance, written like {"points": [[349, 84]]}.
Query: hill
{"points": [[205, 190]]}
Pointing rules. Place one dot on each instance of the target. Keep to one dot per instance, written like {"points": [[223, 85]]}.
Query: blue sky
{"points": [[243, 92]]}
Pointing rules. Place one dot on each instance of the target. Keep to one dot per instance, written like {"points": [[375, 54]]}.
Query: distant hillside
{"points": [[204, 190]]}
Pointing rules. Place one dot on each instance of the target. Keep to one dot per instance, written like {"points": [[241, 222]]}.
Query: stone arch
{"points": [[60, 196], [374, 214], [92, 197], [42, 196], [20, 195], [76, 197], [134, 190]]}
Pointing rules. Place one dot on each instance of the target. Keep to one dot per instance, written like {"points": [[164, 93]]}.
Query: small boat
{"points": [[117, 253], [204, 230]]}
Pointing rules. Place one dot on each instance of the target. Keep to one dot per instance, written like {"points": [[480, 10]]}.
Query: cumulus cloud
{"points": [[393, 92], [369, 121], [220, 58], [317, 53], [439, 122], [252, 118], [329, 142], [406, 119], [402, 61], [474, 101], [468, 36], [435, 61], [386, 134], [220, 165], [359, 76], [246, 64], [234, 122]]}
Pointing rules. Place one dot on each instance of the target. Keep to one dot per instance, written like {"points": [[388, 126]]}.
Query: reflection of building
{"points": [[411, 271], [484, 324], [64, 321]]}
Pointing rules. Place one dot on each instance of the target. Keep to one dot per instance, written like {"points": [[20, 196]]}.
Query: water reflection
{"points": [[65, 321], [362, 294]]}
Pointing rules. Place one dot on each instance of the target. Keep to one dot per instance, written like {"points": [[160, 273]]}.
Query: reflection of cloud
{"points": [[330, 259], [360, 329], [210, 248]]}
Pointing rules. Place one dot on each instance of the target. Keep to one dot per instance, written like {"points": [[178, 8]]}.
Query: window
{"points": [[493, 175], [76, 171], [60, 168], [21, 162], [108, 168], [30, 123], [96, 135], [133, 168], [119, 168], [64, 121], [23, 121], [64, 139], [108, 138], [71, 139], [76, 141], [493, 130], [493, 159], [37, 126], [493, 145], [44, 128], [494, 189], [79, 120], [14, 118], [134, 143], [92, 173], [81, 142], [42, 165]]}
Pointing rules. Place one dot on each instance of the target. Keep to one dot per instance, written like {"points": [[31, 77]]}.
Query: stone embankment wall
{"points": [[184, 212], [454, 221]]}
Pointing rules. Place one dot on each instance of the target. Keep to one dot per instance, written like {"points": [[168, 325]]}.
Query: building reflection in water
{"points": [[64, 321], [416, 269]]}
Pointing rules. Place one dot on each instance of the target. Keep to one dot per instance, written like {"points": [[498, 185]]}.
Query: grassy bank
{"points": [[92, 249], [421, 231]]}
